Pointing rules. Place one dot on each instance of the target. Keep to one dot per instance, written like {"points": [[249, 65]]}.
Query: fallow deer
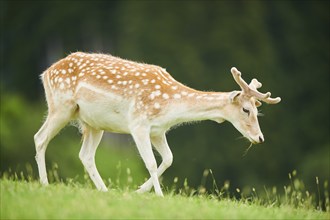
{"points": [[107, 93]]}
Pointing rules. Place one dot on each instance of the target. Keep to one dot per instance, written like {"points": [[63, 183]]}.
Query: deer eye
{"points": [[246, 111]]}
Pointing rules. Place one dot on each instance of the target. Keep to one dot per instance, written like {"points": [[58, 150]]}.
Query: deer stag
{"points": [[106, 93]]}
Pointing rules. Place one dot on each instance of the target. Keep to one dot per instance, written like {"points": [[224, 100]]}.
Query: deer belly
{"points": [[106, 112], [98, 117]]}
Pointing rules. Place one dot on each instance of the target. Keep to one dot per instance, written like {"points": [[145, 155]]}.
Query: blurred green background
{"points": [[284, 44]]}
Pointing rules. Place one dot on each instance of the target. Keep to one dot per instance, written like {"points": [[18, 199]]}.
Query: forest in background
{"points": [[284, 44]]}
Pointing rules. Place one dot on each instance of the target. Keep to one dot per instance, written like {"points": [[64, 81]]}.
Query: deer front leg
{"points": [[160, 144], [141, 137]]}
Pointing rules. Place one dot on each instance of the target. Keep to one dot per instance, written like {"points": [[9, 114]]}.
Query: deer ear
{"points": [[258, 103], [234, 95]]}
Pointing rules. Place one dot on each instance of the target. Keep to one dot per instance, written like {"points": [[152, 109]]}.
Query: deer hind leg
{"points": [[55, 121], [91, 140], [141, 137], [160, 144]]}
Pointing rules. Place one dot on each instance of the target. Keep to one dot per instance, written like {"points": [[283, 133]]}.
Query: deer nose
{"points": [[261, 139]]}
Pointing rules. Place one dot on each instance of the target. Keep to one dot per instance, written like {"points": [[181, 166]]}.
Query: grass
{"points": [[21, 199]]}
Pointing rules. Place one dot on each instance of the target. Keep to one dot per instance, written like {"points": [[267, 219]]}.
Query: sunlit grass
{"points": [[23, 197], [294, 194]]}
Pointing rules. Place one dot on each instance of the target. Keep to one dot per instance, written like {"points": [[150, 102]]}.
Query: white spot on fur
{"points": [[62, 86], [152, 96], [177, 96], [166, 96], [157, 93], [165, 82], [157, 105]]}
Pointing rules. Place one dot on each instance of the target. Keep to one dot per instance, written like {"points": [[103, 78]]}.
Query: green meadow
{"points": [[27, 199]]}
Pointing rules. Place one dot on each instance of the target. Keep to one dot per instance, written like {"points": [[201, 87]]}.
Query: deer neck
{"points": [[201, 106]]}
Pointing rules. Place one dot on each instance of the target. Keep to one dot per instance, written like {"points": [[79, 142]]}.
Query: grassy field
{"points": [[30, 200]]}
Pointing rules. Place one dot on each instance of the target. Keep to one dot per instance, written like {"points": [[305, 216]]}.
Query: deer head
{"points": [[243, 112]]}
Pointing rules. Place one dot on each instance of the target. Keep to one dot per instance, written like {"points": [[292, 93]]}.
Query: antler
{"points": [[251, 89]]}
